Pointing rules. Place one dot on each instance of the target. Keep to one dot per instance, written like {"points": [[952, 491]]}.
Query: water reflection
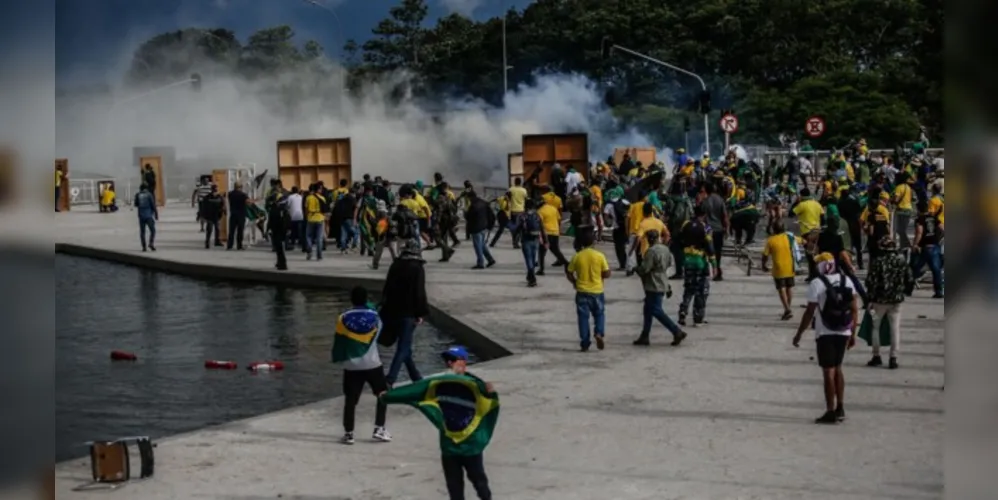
{"points": [[174, 324]]}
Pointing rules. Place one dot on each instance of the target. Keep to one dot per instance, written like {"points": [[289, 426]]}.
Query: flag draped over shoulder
{"points": [[460, 406], [356, 331]]}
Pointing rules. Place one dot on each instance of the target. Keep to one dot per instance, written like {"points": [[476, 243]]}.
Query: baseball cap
{"points": [[454, 353]]}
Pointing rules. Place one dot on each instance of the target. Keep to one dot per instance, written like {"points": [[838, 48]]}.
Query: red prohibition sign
{"points": [[815, 126], [729, 123]]}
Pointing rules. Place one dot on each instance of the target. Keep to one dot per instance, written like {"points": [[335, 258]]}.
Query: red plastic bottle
{"points": [[263, 366], [123, 356], [220, 365]]}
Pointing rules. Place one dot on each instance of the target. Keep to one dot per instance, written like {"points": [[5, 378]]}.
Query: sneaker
{"points": [[381, 434], [678, 339], [153, 248], [539, 273], [641, 341], [892, 363], [828, 418], [840, 413], [347, 438], [143, 249], [599, 342], [478, 267], [875, 361], [682, 321], [491, 263], [584, 348]]}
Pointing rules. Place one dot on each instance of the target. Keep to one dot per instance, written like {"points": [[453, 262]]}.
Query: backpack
{"points": [[837, 313], [402, 221], [682, 210], [145, 201], [531, 224]]}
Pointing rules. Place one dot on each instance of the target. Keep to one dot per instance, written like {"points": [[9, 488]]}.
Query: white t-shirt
{"points": [[294, 207], [572, 180], [805, 166], [816, 294]]}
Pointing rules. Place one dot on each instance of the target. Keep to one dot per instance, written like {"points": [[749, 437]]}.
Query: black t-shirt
{"points": [[212, 206], [930, 230], [237, 203], [344, 208], [832, 243]]}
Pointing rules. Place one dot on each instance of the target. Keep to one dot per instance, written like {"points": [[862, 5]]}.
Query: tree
{"points": [[399, 38], [173, 56]]}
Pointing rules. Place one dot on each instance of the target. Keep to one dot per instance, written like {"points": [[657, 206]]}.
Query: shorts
{"points": [[831, 350], [784, 282], [355, 380]]}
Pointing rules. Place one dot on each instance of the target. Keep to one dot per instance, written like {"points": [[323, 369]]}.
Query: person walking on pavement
{"points": [[698, 260], [551, 221], [145, 203], [716, 215], [277, 224], [586, 272], [927, 246], [478, 221], [314, 222], [237, 216], [297, 214], [889, 280], [213, 211], [834, 298], [529, 231], [785, 250], [517, 205], [404, 306], [653, 272]]}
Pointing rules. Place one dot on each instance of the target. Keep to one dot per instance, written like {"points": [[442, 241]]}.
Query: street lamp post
{"points": [[612, 46]]}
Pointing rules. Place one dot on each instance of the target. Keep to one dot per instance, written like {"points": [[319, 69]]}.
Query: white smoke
{"points": [[230, 118]]}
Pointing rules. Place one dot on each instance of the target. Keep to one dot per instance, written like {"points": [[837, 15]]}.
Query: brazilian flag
{"points": [[460, 406]]}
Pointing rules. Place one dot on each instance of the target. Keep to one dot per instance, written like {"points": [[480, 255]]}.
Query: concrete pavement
{"points": [[728, 415]]}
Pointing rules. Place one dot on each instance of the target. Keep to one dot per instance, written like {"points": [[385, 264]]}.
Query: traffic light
{"points": [[196, 82], [703, 105], [606, 47]]}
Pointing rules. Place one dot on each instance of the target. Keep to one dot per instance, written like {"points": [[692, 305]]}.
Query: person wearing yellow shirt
{"points": [[517, 201], [876, 226], [937, 206], [340, 191], [107, 200], [635, 213], [424, 213], [586, 272], [315, 222], [902, 211], [551, 222], [784, 249], [648, 223], [59, 174], [808, 213], [549, 198]]}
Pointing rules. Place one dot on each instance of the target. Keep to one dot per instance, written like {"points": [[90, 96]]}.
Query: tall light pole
{"points": [[608, 47], [505, 61], [331, 12]]}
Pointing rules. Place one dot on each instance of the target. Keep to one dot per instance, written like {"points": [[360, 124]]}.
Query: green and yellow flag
{"points": [[460, 406]]}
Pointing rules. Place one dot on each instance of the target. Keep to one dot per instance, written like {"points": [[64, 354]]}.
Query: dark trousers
{"points": [[57, 200], [678, 256], [277, 244], [515, 218], [353, 386], [502, 222], [620, 244], [147, 222], [718, 239], [296, 237], [696, 289], [653, 311], [744, 224], [209, 226], [405, 333], [554, 249], [856, 240], [236, 225], [455, 467]]}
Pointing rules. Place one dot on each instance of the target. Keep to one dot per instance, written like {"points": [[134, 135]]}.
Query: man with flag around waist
{"points": [[465, 409], [355, 347]]}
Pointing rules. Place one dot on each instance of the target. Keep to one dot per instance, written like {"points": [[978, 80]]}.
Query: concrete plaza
{"points": [[728, 415]]}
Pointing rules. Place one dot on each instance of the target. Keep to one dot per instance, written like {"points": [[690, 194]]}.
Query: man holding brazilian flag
{"points": [[465, 409]]}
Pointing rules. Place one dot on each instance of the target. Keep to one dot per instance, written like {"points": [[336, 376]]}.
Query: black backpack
{"points": [[531, 224], [837, 313]]}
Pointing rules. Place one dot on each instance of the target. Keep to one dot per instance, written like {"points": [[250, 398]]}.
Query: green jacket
{"points": [[460, 406]]}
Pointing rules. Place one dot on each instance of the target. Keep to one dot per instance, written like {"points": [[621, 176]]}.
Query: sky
{"points": [[95, 38]]}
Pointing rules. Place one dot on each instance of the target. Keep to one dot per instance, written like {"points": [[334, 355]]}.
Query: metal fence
{"points": [[820, 159]]}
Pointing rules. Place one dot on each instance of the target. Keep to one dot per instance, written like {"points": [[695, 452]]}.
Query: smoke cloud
{"points": [[232, 120]]}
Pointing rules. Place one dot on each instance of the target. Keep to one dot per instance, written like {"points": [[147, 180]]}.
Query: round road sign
{"points": [[814, 126], [729, 123]]}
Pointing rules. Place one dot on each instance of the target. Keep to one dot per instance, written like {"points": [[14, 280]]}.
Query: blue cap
{"points": [[455, 353]]}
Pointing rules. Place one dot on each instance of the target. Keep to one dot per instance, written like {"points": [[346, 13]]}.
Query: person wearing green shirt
{"points": [[465, 409]]}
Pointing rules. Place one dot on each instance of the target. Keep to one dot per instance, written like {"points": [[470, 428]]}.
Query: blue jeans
{"points": [[587, 304], [348, 234], [653, 310], [529, 248], [482, 252], [931, 256], [147, 222], [314, 237], [403, 350]]}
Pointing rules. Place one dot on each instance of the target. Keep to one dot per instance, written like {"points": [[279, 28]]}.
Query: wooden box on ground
{"points": [[221, 179], [305, 161], [514, 163], [543, 151], [644, 155], [62, 165], [156, 162]]}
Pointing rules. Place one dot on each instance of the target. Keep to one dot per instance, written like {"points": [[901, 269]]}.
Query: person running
{"points": [[145, 204], [696, 238], [653, 272], [586, 272], [465, 410], [529, 231], [834, 298], [889, 280], [404, 306], [503, 216], [551, 221], [784, 248], [355, 347]]}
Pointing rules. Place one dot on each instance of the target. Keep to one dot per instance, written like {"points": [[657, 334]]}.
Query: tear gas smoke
{"points": [[238, 120]]}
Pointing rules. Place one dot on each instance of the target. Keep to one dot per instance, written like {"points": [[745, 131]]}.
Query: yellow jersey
{"points": [[424, 212], [588, 267], [313, 208], [902, 196], [107, 199], [779, 250], [808, 214], [635, 215], [648, 224], [517, 199], [550, 219]]}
